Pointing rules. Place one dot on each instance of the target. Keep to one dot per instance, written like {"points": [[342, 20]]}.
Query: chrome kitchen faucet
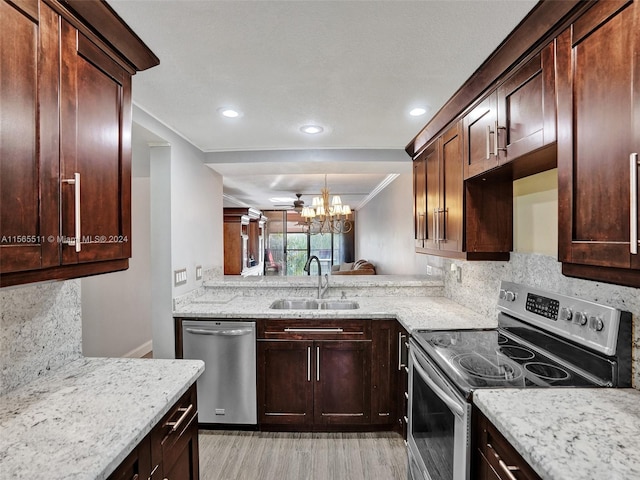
{"points": [[322, 289]]}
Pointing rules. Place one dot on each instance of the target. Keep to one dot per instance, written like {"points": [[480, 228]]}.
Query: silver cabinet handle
{"points": [[507, 469], [633, 240], [220, 333], [488, 142], [495, 140], [185, 412], [435, 226], [317, 364], [75, 181], [400, 364], [308, 364], [314, 330]]}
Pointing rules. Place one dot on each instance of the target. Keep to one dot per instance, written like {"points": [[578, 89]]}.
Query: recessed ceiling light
{"points": [[229, 112], [311, 129], [418, 111]]}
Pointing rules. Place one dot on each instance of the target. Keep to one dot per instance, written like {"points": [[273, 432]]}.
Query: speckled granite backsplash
{"points": [[481, 283], [40, 331]]}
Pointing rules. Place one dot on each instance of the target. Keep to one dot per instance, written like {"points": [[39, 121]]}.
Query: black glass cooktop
{"points": [[493, 359]]}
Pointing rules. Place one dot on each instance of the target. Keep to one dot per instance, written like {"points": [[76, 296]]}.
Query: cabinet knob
{"points": [[580, 318], [596, 323], [566, 313]]}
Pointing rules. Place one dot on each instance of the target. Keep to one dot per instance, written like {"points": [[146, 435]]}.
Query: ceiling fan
{"points": [[297, 204]]}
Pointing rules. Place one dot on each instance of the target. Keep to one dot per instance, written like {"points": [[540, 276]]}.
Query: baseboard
{"points": [[141, 351]]}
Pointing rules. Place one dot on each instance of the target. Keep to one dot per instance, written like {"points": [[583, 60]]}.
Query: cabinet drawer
{"points": [[177, 431], [495, 457], [305, 329]]}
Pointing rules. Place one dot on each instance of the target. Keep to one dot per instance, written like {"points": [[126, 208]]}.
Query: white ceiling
{"points": [[354, 67]]}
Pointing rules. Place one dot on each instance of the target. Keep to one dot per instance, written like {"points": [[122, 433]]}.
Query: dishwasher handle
{"points": [[220, 333]]}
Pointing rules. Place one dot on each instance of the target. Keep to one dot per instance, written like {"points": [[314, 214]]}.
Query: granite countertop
{"points": [[570, 433], [414, 313], [82, 420], [263, 281]]}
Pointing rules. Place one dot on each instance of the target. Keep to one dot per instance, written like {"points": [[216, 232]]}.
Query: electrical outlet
{"points": [[180, 277], [429, 270], [199, 272]]}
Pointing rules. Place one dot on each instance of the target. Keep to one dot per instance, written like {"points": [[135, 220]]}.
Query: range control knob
{"points": [[510, 296], [503, 294], [580, 318], [596, 323], [566, 313]]}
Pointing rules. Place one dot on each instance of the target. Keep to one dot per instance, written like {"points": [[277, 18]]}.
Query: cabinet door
{"points": [[451, 212], [479, 137], [137, 465], [401, 371], [342, 387], [95, 148], [232, 248], [598, 130], [433, 194], [526, 107], [29, 62], [384, 364], [285, 382], [419, 201]]}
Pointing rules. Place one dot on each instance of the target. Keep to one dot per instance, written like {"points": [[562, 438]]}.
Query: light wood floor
{"points": [[297, 456]]}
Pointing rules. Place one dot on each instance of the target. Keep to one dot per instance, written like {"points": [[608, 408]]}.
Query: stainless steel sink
{"points": [[296, 304], [306, 304], [338, 305]]}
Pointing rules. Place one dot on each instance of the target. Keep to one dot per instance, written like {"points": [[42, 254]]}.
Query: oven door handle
{"points": [[446, 398]]}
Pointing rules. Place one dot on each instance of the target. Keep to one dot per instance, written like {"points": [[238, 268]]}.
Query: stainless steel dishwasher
{"points": [[227, 388]]}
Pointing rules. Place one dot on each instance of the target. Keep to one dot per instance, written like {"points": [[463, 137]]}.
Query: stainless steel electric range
{"points": [[542, 340]]}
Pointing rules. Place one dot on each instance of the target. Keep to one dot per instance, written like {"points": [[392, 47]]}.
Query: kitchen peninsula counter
{"points": [[82, 420], [570, 433], [384, 297]]}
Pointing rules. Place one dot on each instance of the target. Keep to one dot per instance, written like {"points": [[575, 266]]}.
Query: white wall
{"points": [[116, 307], [535, 214], [186, 221], [384, 231]]}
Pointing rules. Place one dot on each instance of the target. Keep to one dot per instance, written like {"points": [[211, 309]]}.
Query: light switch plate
{"points": [[180, 277]]}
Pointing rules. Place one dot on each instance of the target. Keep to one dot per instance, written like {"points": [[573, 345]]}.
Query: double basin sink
{"points": [[310, 304]]}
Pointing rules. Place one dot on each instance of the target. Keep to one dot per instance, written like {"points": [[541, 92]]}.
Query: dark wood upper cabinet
{"points": [[65, 155], [514, 120], [480, 137], [420, 200], [96, 111], [29, 140], [462, 220], [598, 134], [527, 108]]}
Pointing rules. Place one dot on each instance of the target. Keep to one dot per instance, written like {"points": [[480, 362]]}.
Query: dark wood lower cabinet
{"points": [[324, 375], [170, 451], [285, 388], [494, 458], [342, 387]]}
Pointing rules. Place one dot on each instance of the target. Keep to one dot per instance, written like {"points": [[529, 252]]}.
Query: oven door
{"points": [[439, 423]]}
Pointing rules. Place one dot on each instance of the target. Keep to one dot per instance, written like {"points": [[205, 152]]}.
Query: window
{"points": [[288, 246]]}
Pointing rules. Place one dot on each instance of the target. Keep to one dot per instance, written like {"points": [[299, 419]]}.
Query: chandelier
{"points": [[324, 216]]}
